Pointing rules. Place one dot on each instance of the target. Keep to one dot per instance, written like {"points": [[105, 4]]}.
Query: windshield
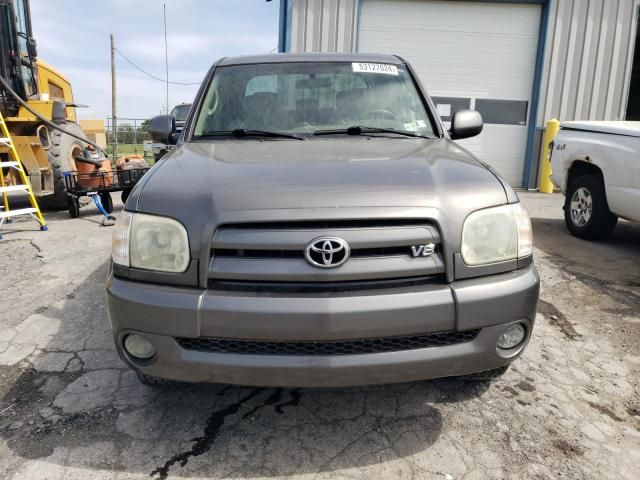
{"points": [[180, 112], [304, 98]]}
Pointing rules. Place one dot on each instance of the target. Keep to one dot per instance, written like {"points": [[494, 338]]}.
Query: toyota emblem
{"points": [[327, 252]]}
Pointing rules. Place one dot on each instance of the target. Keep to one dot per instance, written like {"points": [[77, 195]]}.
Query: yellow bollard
{"points": [[546, 186]]}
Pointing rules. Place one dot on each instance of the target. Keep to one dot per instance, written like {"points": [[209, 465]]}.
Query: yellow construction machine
{"points": [[37, 104]]}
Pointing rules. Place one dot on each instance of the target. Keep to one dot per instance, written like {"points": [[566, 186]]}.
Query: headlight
{"points": [[496, 234], [120, 239], [150, 242]]}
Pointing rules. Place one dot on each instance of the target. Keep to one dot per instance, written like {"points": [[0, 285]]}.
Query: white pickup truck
{"points": [[597, 167]]}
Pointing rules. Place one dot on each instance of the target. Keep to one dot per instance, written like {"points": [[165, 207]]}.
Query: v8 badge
{"points": [[423, 250]]}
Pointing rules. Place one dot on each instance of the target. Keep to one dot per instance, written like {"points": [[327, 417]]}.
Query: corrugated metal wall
{"points": [[323, 25], [587, 61], [588, 58]]}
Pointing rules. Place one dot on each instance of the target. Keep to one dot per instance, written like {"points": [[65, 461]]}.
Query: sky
{"points": [[73, 36]]}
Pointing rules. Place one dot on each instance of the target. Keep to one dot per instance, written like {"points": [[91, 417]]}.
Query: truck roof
{"points": [[311, 57], [617, 128]]}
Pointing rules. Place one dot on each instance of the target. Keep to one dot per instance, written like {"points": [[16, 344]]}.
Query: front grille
{"points": [[274, 252], [337, 347]]}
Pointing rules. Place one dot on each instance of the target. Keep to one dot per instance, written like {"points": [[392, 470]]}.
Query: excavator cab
{"points": [[17, 54], [32, 93]]}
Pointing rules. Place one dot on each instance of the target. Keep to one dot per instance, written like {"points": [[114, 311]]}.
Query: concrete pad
{"points": [[567, 409]]}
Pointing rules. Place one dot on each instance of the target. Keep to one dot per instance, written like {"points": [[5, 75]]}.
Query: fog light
{"points": [[512, 336], [139, 347]]}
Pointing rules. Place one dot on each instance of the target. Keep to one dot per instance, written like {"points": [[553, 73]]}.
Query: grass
{"points": [[128, 149], [132, 149]]}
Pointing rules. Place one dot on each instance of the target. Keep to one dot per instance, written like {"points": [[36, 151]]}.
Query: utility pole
{"points": [[114, 114], [166, 52]]}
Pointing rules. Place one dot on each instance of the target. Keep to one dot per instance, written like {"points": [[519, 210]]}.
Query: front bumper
{"points": [[162, 313]]}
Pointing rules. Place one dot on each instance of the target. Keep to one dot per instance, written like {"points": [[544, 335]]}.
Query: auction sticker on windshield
{"points": [[375, 68]]}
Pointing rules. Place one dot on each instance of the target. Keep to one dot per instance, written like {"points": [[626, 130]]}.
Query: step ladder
{"points": [[25, 186]]}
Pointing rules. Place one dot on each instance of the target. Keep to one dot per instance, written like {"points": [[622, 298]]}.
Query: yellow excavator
{"points": [[37, 104]]}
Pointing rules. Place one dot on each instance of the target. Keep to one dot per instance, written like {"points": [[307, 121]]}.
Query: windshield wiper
{"points": [[360, 130], [244, 132]]}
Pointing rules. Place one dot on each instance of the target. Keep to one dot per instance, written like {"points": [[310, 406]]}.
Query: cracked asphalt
{"points": [[569, 408]]}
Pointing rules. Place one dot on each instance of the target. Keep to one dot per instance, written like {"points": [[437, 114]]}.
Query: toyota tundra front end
{"points": [[316, 225]]}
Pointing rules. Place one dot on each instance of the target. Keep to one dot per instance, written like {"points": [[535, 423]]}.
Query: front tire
{"points": [[586, 211], [62, 149]]}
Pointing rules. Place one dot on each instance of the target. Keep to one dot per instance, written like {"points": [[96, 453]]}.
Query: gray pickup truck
{"points": [[316, 225]]}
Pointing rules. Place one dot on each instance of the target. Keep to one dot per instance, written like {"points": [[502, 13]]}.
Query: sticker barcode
{"points": [[375, 68]]}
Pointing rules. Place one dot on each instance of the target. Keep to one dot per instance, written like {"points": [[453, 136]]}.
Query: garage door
{"points": [[468, 55]]}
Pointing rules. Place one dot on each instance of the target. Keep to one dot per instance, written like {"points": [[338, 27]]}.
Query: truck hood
{"points": [[205, 182]]}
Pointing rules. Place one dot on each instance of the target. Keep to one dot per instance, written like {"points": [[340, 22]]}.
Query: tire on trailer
{"points": [[74, 206], [62, 149], [107, 202], [586, 211]]}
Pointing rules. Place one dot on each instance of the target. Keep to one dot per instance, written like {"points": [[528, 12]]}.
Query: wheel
{"points": [[107, 202], [151, 381], [586, 211], [74, 207], [487, 375], [125, 195], [62, 149]]}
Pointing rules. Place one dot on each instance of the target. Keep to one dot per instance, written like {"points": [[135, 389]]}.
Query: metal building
{"points": [[519, 62]]}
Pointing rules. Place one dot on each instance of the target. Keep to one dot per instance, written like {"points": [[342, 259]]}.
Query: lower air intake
{"points": [[337, 347]]}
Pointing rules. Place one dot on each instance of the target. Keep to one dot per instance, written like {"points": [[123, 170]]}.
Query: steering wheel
{"points": [[379, 113]]}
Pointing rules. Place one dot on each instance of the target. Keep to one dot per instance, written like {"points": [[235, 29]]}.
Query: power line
{"points": [[130, 62]]}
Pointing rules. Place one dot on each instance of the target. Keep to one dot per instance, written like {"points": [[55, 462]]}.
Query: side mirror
{"points": [[32, 47], [465, 124], [162, 129]]}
